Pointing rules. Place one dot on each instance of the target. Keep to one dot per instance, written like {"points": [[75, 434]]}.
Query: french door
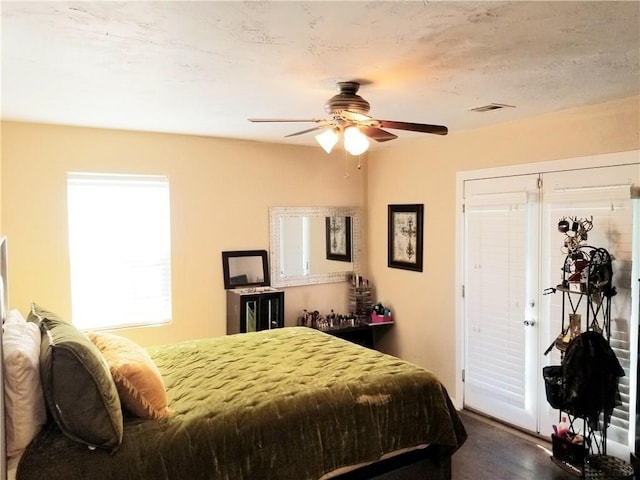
{"points": [[501, 292], [512, 253]]}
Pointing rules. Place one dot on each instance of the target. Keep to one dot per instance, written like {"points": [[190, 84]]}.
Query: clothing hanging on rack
{"points": [[591, 372]]}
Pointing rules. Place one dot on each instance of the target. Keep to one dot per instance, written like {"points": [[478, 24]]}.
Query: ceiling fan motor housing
{"points": [[347, 99]]}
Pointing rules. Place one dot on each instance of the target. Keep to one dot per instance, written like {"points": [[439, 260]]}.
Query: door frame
{"points": [[577, 163]]}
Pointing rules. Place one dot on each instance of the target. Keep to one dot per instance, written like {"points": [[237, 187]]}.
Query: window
{"points": [[119, 250]]}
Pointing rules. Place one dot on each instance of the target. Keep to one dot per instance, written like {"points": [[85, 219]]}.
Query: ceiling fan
{"points": [[350, 119]]}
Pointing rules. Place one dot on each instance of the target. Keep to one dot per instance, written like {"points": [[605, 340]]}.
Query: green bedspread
{"points": [[288, 404]]}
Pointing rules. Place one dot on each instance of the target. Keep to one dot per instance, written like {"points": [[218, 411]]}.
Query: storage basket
{"points": [[375, 318], [606, 467], [567, 451]]}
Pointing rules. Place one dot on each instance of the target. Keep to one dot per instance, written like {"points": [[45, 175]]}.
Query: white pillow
{"points": [[14, 316], [24, 399]]}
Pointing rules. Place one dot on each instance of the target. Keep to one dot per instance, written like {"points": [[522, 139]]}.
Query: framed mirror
{"points": [[302, 247], [245, 268]]}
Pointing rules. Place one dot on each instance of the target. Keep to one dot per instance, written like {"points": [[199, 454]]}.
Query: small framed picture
{"points": [[338, 233], [405, 236]]}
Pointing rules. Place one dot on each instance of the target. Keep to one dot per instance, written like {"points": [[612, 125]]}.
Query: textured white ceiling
{"points": [[205, 67]]}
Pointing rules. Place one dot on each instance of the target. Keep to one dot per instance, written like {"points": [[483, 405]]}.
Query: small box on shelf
{"points": [[375, 318], [577, 287]]}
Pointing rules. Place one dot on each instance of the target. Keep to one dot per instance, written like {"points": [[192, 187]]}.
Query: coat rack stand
{"points": [[584, 388]]}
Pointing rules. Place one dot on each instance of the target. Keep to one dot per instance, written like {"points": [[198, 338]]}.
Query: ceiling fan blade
{"points": [[283, 120], [319, 127], [414, 127], [377, 134]]}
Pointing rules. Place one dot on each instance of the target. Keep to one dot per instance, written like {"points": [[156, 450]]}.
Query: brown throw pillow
{"points": [[137, 377]]}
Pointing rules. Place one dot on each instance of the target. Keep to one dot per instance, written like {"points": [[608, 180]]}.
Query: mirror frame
{"points": [[245, 253], [276, 213]]}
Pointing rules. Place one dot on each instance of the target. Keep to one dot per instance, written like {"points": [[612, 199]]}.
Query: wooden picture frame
{"points": [[405, 236], [338, 238]]}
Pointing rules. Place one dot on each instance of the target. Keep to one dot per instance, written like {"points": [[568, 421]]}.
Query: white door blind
{"points": [[119, 249], [610, 205], [496, 356]]}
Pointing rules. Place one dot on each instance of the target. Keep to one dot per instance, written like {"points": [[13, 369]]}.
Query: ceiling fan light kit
{"points": [[354, 141], [349, 118], [328, 139]]}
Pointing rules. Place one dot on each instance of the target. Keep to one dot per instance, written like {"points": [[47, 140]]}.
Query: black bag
{"points": [[554, 386]]}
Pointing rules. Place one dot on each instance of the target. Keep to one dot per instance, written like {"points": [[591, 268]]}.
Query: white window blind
{"points": [[119, 249]]}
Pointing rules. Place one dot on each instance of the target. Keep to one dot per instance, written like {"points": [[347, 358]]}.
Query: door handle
{"points": [[529, 323]]}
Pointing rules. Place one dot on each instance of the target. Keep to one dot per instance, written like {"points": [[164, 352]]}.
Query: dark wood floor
{"points": [[494, 452]]}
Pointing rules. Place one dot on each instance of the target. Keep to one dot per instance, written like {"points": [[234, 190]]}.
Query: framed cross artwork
{"points": [[405, 236], [338, 234]]}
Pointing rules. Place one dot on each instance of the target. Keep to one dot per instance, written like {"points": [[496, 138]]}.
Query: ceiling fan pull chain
{"points": [[346, 165]]}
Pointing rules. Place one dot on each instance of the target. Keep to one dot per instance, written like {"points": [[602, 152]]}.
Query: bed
{"points": [[291, 404]]}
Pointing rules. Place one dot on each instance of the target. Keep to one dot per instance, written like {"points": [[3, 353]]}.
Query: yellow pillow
{"points": [[136, 376]]}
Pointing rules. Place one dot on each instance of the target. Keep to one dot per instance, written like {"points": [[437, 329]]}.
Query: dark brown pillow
{"points": [[78, 388]]}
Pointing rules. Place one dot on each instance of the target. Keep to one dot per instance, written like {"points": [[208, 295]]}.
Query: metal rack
{"points": [[586, 306]]}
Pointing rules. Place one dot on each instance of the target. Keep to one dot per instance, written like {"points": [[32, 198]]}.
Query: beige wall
{"points": [[425, 172], [220, 194], [221, 191]]}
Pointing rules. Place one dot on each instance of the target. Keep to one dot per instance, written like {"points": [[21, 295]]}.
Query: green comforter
{"points": [[288, 404]]}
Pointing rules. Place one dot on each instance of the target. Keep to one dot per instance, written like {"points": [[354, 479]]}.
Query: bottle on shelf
{"points": [[563, 428]]}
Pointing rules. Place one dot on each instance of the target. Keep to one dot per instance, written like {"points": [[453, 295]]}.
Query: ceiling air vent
{"points": [[491, 106]]}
